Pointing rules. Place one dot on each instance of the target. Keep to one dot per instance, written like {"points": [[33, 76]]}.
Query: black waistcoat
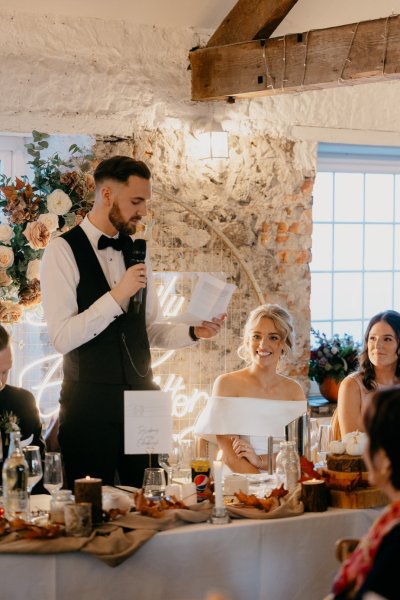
{"points": [[120, 354]]}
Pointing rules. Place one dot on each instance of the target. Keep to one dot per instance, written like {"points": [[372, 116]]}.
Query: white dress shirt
{"points": [[59, 278]]}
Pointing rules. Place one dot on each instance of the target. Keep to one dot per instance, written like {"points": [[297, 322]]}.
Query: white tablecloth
{"points": [[282, 559]]}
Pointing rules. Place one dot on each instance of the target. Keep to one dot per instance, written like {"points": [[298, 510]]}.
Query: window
{"points": [[355, 269]]}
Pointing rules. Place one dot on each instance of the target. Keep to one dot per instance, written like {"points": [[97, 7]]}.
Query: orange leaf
{"points": [[19, 184]]}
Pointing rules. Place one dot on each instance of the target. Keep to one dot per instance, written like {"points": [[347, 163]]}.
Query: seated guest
{"points": [[379, 368], [16, 404], [255, 402], [373, 566]]}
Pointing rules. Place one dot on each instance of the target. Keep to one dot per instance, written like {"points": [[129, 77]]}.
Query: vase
{"points": [[329, 389]]}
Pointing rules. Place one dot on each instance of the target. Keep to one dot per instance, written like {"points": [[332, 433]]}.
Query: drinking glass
{"points": [[178, 462], [34, 460], [154, 483], [53, 477], [325, 437], [163, 461]]}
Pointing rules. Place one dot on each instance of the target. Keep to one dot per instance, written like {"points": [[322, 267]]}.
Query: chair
{"points": [[345, 547]]}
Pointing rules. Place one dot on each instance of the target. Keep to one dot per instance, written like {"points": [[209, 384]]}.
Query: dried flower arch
{"points": [[60, 195]]}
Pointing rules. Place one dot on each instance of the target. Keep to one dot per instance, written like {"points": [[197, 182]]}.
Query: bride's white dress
{"points": [[253, 419]]}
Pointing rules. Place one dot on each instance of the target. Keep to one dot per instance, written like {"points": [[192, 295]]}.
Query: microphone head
{"points": [[139, 250]]}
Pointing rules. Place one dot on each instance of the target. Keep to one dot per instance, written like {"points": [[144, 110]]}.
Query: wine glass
{"points": [[34, 460], [53, 476], [163, 461]]}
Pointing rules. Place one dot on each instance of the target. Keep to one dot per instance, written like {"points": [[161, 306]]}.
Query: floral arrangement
{"points": [[60, 195], [335, 357]]}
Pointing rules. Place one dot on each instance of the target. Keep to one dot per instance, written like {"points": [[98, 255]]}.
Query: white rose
{"points": [[6, 257], [50, 220], [6, 233], [32, 271], [58, 202]]}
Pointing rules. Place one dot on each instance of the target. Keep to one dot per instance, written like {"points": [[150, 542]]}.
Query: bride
{"points": [[255, 402]]}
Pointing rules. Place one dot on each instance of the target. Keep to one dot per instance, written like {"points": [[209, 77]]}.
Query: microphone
{"points": [[138, 256]]}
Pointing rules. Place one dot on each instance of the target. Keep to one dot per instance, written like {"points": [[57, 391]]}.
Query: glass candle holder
{"points": [[78, 519]]}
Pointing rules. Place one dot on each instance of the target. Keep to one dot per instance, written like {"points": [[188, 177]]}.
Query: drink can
{"points": [[201, 477]]}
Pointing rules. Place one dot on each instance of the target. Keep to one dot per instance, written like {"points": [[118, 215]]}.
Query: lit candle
{"points": [[88, 489], [314, 495], [217, 470]]}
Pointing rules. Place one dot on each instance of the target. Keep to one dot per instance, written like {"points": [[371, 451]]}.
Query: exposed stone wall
{"points": [[260, 199]]}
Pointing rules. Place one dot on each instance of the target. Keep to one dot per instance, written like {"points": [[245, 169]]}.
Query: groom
{"points": [[88, 285]]}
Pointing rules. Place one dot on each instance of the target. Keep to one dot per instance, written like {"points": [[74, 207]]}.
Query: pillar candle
{"points": [[314, 495], [217, 471], [88, 489]]}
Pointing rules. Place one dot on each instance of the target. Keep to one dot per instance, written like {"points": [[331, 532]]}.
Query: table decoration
{"points": [[279, 504], [314, 495], [88, 489], [60, 194], [78, 518]]}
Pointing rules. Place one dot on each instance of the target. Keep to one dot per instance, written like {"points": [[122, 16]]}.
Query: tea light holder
{"points": [[219, 516], [78, 519], [88, 489], [314, 495]]}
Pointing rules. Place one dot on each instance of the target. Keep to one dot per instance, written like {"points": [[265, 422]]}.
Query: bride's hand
{"points": [[244, 450]]}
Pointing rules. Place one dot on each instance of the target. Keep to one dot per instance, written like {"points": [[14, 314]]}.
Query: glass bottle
{"points": [[287, 470], [292, 467], [281, 458], [15, 480]]}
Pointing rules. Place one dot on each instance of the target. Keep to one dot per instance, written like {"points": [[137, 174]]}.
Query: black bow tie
{"points": [[104, 242]]}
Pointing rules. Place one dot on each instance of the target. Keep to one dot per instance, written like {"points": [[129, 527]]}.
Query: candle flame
{"points": [[87, 477], [220, 455]]}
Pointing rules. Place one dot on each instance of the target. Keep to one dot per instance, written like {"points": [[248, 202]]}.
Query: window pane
{"points": [[349, 194], [397, 247], [321, 248], [321, 300], [379, 197], [377, 293], [353, 328], [347, 296], [378, 247], [322, 327], [396, 305], [397, 200], [348, 247], [323, 197]]}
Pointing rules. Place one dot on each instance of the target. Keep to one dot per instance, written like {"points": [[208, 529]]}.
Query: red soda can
{"points": [[201, 477]]}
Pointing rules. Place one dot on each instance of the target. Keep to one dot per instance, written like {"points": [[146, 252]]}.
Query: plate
{"points": [[254, 478]]}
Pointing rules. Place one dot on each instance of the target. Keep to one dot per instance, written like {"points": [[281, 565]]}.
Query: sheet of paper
{"points": [[148, 422], [210, 298]]}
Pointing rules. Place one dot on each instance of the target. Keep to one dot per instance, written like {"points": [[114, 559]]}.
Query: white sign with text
{"points": [[148, 422]]}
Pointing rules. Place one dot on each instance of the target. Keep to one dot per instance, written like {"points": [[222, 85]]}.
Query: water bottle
{"points": [[280, 469], [15, 480], [292, 466]]}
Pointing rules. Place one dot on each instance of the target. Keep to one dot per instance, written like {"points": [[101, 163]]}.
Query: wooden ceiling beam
{"points": [[363, 52], [251, 19]]}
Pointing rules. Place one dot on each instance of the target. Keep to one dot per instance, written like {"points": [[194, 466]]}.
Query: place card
{"points": [[148, 422]]}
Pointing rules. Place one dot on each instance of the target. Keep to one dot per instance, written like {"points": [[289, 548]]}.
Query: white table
{"points": [[282, 559]]}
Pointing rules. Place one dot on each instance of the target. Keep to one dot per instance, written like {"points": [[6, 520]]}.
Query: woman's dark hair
{"points": [[4, 338], [120, 168], [382, 425], [367, 370]]}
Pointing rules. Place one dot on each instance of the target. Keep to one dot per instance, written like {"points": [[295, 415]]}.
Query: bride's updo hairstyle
{"points": [[282, 321]]}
